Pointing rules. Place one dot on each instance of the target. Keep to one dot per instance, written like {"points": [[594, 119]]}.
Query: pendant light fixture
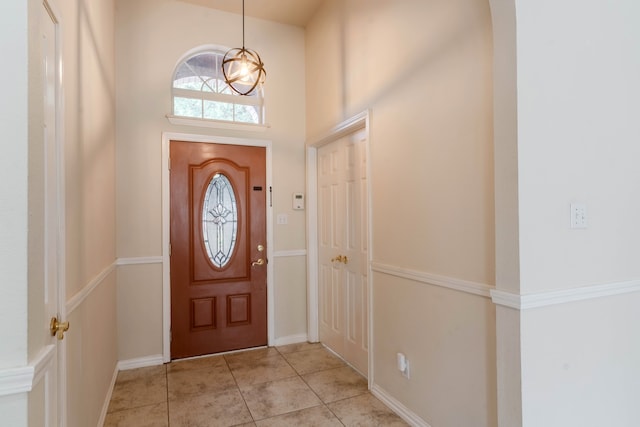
{"points": [[243, 69]]}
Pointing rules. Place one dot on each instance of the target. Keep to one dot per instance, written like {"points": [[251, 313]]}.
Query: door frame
{"points": [[348, 127], [167, 137]]}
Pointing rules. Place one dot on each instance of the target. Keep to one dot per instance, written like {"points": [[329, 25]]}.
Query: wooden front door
{"points": [[218, 248], [343, 249]]}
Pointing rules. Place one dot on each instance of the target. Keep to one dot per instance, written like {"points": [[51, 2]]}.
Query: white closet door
{"points": [[343, 251]]}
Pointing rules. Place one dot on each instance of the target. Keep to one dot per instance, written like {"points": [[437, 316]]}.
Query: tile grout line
{"points": [[239, 389], [322, 401], [299, 356], [311, 388]]}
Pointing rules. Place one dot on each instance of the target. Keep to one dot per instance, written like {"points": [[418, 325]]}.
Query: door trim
{"points": [[348, 127], [167, 137]]}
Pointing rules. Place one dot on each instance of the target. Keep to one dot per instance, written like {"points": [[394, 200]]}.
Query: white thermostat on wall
{"points": [[298, 201]]}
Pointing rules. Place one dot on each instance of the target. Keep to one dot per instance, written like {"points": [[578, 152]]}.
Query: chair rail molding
{"points": [[580, 293], [23, 379], [474, 288]]}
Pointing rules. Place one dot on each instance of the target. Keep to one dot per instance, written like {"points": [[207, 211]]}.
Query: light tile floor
{"points": [[294, 385]]}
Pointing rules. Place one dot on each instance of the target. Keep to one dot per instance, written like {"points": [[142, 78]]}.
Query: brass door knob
{"points": [[258, 262], [340, 258], [58, 328]]}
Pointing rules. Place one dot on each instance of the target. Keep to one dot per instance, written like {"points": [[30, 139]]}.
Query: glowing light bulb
{"points": [[244, 68]]}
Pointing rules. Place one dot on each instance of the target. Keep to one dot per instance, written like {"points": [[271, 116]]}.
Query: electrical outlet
{"points": [[405, 373], [403, 364], [282, 219], [578, 215]]}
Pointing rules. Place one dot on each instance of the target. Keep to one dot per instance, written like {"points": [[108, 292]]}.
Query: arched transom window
{"points": [[199, 91]]}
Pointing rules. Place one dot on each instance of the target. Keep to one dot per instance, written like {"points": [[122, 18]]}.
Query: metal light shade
{"points": [[243, 70]]}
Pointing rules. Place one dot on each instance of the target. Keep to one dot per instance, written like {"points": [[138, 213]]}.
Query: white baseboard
{"points": [[140, 362], [290, 339], [397, 407], [105, 406], [123, 365]]}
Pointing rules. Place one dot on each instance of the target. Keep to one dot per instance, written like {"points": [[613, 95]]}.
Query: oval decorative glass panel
{"points": [[219, 220]]}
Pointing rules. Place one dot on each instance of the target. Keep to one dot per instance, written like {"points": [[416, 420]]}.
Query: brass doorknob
{"points": [[258, 262], [58, 328], [340, 258]]}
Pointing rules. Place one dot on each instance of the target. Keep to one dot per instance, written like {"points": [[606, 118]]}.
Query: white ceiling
{"points": [[293, 12]]}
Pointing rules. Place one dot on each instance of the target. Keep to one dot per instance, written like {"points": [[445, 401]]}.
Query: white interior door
{"points": [[343, 284], [53, 239]]}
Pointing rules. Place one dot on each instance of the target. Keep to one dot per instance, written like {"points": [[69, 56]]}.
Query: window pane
{"points": [[219, 220], [218, 110], [187, 107], [223, 87], [193, 83], [204, 65], [201, 77], [184, 72], [247, 114], [209, 86]]}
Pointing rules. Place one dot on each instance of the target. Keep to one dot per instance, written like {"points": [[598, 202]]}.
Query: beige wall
{"points": [[431, 100], [14, 186], [92, 355], [424, 69], [89, 139], [139, 311], [585, 138], [14, 22], [152, 36], [577, 142]]}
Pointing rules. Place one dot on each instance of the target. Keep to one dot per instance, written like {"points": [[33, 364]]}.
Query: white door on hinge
{"points": [[343, 263], [53, 227]]}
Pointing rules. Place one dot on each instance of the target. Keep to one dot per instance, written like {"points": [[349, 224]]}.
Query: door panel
{"points": [[54, 292], [343, 257], [218, 290]]}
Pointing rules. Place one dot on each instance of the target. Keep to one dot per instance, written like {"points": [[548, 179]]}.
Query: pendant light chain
{"points": [[243, 24], [243, 69]]}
